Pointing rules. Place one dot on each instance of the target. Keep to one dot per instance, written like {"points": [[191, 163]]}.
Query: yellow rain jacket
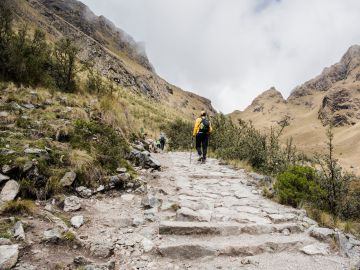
{"points": [[197, 126]]}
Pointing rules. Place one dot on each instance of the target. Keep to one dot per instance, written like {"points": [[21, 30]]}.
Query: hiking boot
{"points": [[200, 159], [203, 160]]}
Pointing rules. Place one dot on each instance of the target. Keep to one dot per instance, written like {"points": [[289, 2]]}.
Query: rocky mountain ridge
{"points": [[333, 97], [111, 51]]}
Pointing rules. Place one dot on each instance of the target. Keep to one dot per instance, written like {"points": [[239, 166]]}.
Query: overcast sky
{"points": [[232, 50]]}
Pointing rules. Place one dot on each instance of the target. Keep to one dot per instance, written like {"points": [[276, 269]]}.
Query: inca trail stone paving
{"points": [[222, 222], [186, 216]]}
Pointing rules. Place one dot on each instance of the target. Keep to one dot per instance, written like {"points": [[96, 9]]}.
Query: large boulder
{"points": [[71, 204], [348, 245], [68, 179], [3, 178], [8, 256], [84, 191], [9, 191], [18, 231], [322, 234], [144, 159]]}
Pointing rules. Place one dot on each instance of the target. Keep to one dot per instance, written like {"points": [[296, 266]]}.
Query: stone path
{"points": [[212, 218]]}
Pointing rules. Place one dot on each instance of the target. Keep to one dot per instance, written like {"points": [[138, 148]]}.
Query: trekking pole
{"points": [[191, 147]]}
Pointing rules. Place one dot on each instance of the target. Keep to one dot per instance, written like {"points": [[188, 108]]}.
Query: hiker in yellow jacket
{"points": [[201, 132]]}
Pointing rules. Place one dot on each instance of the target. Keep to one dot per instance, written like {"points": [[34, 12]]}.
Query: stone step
{"points": [[225, 228], [189, 248]]}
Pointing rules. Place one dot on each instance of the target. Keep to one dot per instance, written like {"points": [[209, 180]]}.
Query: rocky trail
{"points": [[190, 216]]}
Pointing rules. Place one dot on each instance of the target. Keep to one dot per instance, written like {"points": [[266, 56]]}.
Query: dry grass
{"points": [[240, 164], [19, 207], [81, 160]]}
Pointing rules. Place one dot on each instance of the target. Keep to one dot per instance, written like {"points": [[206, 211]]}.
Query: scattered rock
{"points": [[53, 235], [28, 106], [101, 188], [137, 221], [80, 260], [127, 197], [4, 114], [77, 221], [102, 249], [150, 214], [7, 168], [147, 245], [71, 204], [348, 245], [24, 266], [108, 266], [121, 170], [28, 165], [124, 177], [5, 241], [247, 260], [68, 179], [322, 234], [35, 151], [3, 178], [150, 201], [316, 249], [84, 192], [18, 231], [49, 207], [4, 151], [8, 256], [9, 191]]}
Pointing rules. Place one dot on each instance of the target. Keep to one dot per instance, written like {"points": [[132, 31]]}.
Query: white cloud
{"points": [[231, 50]]}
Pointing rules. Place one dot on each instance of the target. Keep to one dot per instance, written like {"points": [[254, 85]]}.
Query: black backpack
{"points": [[204, 125]]}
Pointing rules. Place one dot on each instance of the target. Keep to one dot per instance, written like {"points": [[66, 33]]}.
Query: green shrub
{"points": [[340, 200], [298, 184], [109, 147], [179, 134]]}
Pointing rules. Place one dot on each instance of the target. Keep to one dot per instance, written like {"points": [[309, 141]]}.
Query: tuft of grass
{"points": [[64, 218], [175, 207], [267, 193], [81, 160], [53, 187], [19, 207], [69, 236], [5, 229]]}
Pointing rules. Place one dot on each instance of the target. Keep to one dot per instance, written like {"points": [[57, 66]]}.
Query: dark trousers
{"points": [[202, 141], [162, 144]]}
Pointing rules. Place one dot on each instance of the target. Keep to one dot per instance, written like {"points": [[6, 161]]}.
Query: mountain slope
{"points": [[333, 98], [112, 52]]}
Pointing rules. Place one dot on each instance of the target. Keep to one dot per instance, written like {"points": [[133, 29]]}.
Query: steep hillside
{"points": [[110, 50], [332, 97]]}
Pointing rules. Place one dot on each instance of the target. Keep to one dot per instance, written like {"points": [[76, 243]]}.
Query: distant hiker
{"points": [[158, 144], [202, 130], [162, 141]]}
